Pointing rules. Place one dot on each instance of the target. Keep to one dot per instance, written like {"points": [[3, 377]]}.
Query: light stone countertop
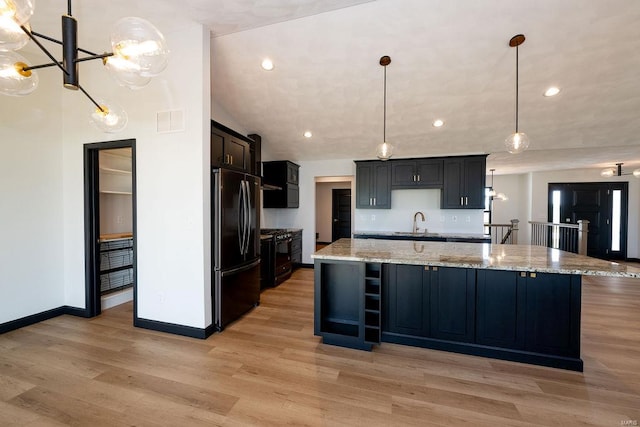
{"points": [[472, 255]]}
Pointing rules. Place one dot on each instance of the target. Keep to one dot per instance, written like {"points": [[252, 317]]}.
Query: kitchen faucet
{"points": [[415, 224]]}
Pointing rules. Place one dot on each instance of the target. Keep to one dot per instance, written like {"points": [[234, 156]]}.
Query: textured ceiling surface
{"points": [[450, 60]]}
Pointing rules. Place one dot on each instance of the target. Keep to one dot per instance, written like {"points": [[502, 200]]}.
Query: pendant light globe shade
{"points": [[14, 81], [11, 35], [18, 11], [112, 118], [517, 142], [125, 73], [137, 41], [384, 151]]}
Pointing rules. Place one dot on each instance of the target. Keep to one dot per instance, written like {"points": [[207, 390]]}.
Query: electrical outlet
{"points": [[454, 218], [373, 217], [119, 219]]}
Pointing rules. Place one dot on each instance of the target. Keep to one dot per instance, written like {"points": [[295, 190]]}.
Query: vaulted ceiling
{"points": [[450, 60]]}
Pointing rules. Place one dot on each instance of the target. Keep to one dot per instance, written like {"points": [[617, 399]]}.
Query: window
{"points": [[487, 210], [616, 214]]}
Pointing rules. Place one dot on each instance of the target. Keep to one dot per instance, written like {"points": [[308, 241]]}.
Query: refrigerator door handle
{"points": [[247, 201], [226, 273], [241, 218], [247, 217]]}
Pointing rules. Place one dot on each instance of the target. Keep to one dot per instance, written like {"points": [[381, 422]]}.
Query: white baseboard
{"points": [[116, 298]]}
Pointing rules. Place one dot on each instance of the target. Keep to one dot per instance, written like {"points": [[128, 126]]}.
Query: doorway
{"points": [[110, 225], [334, 200], [341, 217], [604, 205]]}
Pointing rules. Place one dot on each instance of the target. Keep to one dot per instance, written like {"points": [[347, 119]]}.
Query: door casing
{"points": [[92, 223]]}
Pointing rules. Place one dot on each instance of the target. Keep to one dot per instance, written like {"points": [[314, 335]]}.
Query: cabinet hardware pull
{"points": [[434, 268], [461, 201], [418, 178], [374, 201], [466, 201], [370, 201], [414, 178], [532, 275], [427, 268], [523, 274], [231, 157]]}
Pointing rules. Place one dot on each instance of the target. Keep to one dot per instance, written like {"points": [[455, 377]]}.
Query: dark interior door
{"points": [[341, 217], [594, 201]]}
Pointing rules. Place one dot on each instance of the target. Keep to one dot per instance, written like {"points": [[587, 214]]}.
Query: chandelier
{"points": [[138, 52], [617, 171]]}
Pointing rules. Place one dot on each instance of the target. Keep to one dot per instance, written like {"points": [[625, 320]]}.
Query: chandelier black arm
{"points": [[51, 39], [92, 57], [53, 64], [91, 99], [44, 49]]}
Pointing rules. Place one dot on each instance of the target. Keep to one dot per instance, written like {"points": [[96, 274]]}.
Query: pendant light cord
{"points": [[69, 7], [384, 108], [517, 67]]}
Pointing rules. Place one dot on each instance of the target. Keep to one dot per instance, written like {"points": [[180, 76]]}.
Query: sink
{"points": [[410, 233]]}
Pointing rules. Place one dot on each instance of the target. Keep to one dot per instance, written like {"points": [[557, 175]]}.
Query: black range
{"points": [[275, 245]]}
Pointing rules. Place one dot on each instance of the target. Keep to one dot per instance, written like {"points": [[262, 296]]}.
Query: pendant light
{"points": [[493, 194], [519, 141], [138, 52], [384, 150]]}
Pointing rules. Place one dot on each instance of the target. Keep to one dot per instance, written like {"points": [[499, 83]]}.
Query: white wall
{"points": [[31, 210], [173, 210], [324, 207]]}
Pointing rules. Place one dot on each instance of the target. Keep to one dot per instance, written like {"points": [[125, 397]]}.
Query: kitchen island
{"points": [[512, 302]]}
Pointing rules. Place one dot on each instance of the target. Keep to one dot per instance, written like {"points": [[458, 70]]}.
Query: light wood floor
{"points": [[269, 369]]}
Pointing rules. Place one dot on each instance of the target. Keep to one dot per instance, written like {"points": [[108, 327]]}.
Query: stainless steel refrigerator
{"points": [[235, 205]]}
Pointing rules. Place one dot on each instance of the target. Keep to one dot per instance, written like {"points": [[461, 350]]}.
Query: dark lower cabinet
{"points": [[407, 296], [453, 304], [520, 316], [347, 303], [553, 313], [296, 248], [500, 309]]}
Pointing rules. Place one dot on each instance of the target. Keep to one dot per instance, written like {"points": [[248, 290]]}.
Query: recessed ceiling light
{"points": [[438, 123], [308, 134], [267, 64], [552, 91]]}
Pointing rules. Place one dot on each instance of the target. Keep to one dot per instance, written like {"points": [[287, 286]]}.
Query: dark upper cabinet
{"points": [[284, 175], [464, 182], [453, 304], [231, 150], [407, 295], [420, 173], [255, 155], [373, 185]]}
